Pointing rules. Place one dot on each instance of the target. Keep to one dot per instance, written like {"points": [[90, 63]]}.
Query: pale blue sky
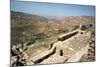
{"points": [[48, 9]]}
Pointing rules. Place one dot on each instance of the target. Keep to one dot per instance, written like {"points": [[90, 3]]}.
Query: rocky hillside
{"points": [[41, 27], [22, 22]]}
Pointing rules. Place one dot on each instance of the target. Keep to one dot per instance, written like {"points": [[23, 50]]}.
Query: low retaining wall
{"points": [[67, 36], [45, 57]]}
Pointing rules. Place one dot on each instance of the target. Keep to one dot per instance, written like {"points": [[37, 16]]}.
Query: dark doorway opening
{"points": [[61, 52]]}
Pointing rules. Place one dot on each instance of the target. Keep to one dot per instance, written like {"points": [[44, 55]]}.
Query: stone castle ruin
{"points": [[70, 47]]}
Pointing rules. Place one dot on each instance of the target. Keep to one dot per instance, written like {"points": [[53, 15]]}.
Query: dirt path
{"points": [[78, 55]]}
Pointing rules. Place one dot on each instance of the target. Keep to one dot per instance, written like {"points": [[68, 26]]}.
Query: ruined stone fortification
{"points": [[69, 47]]}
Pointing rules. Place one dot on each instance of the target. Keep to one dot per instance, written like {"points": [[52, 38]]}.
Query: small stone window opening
{"points": [[90, 25], [61, 52], [81, 32]]}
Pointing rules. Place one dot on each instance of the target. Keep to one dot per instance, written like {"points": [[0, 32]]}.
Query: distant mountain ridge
{"points": [[26, 18]]}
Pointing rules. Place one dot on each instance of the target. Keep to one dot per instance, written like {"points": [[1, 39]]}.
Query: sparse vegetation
{"points": [[36, 33]]}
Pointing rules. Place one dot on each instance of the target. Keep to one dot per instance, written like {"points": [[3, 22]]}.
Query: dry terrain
{"points": [[39, 40]]}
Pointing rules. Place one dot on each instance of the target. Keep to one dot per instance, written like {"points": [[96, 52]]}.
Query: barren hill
{"points": [[34, 25]]}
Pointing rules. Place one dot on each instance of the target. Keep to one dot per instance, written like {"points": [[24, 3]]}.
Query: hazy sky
{"points": [[47, 9]]}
